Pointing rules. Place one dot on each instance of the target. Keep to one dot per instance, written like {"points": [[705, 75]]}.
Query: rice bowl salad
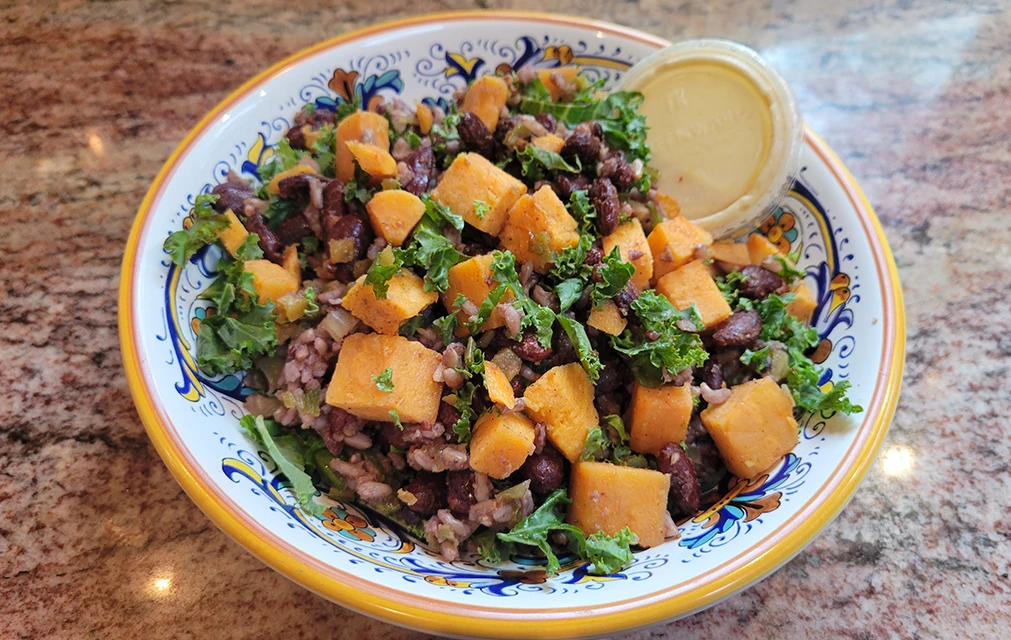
{"points": [[484, 323]]}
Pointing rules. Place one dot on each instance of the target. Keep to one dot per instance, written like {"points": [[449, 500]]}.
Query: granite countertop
{"points": [[98, 540]]}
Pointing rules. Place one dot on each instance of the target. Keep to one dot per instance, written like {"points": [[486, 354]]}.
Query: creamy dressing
{"points": [[723, 130]]}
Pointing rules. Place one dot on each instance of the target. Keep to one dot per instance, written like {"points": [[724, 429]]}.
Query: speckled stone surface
{"points": [[97, 539]]}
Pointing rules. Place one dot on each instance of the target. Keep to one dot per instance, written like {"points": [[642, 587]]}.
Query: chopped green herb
{"points": [[384, 380], [396, 419], [481, 209]]}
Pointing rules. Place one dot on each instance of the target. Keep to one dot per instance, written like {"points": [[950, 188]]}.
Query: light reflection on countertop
{"points": [[96, 538]]}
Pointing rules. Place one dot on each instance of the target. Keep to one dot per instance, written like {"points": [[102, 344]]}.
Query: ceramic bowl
{"points": [[359, 560]]}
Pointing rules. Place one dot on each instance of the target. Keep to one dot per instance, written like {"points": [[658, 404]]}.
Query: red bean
{"points": [[685, 492]]}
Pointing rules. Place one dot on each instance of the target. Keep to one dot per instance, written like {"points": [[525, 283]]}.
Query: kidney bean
{"points": [[760, 282], [566, 183], [530, 349], [460, 492], [740, 329], [294, 186], [292, 230], [296, 138], [421, 161], [392, 435], [685, 492], [268, 241], [594, 255], [624, 298], [429, 490], [547, 121], [474, 135], [352, 227], [583, 145], [544, 470], [712, 374], [231, 195], [604, 197]]}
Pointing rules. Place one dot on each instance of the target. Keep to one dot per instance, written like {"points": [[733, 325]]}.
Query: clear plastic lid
{"points": [[724, 129]]}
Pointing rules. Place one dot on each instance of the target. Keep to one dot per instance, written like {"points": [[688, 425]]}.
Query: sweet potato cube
{"points": [[804, 304], [497, 384], [472, 178], [473, 279], [270, 280], [405, 299], [608, 497], [754, 428], [298, 169], [673, 243], [669, 207], [549, 142], [566, 75], [362, 126], [394, 213], [289, 260], [538, 227], [415, 396], [563, 400], [425, 117], [734, 254], [659, 416], [760, 248], [693, 283], [374, 161], [500, 444], [234, 234], [485, 99], [607, 318], [629, 237]]}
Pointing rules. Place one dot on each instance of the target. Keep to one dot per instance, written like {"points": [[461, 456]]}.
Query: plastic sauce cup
{"points": [[724, 130]]}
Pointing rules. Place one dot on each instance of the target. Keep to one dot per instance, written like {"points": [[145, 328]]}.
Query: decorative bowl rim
{"points": [[441, 616]]}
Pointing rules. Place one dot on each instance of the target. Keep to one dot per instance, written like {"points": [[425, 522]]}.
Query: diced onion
{"points": [[338, 323], [342, 251], [508, 362]]}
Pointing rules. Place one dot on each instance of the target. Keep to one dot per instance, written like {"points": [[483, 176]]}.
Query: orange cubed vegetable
{"points": [[673, 243], [474, 179], [566, 76], [485, 98], [270, 280], [234, 234], [374, 161], [607, 318], [425, 117], [361, 126], [563, 400], [549, 142], [289, 260], [629, 237], [659, 416], [669, 207], [754, 428], [538, 227], [415, 396], [497, 384], [803, 304], [693, 283], [394, 214], [473, 279], [760, 248], [298, 169], [405, 298], [734, 254], [500, 444], [608, 497]]}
